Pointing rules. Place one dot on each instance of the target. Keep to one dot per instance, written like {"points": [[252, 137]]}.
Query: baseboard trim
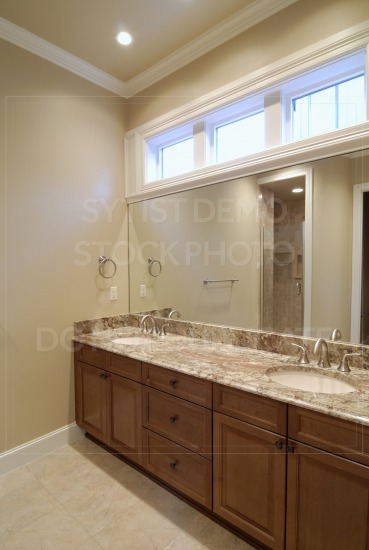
{"points": [[22, 455]]}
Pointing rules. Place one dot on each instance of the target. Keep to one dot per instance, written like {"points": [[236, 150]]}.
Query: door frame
{"points": [[357, 260]]}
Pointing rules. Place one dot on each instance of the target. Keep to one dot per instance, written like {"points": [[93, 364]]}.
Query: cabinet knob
{"points": [[173, 382], [279, 444], [173, 419], [173, 465], [104, 375]]}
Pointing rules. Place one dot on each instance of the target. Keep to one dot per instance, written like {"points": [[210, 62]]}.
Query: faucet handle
{"points": [[343, 366], [303, 359], [163, 330]]}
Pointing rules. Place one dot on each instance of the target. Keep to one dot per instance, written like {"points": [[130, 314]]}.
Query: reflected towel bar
{"points": [[233, 280]]}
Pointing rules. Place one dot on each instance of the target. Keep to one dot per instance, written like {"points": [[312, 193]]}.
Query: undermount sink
{"points": [[134, 340], [307, 380]]}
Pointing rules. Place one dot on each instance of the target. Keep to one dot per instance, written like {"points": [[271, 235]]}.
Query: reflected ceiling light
{"points": [[124, 38], [297, 190]]}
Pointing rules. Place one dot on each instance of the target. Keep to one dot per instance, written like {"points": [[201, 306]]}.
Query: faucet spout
{"points": [[143, 324], [321, 348], [174, 312]]}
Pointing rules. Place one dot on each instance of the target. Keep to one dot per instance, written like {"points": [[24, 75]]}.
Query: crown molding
{"points": [[218, 35], [231, 27], [38, 46]]}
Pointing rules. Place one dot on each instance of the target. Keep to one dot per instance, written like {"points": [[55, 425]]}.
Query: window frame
{"points": [[263, 83]]}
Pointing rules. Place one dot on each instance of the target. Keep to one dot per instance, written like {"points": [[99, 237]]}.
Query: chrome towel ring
{"points": [[104, 260], [152, 262]]}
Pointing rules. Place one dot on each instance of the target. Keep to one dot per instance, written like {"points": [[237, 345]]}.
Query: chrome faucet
{"points": [[143, 324], [163, 330], [174, 312], [322, 348], [336, 335]]}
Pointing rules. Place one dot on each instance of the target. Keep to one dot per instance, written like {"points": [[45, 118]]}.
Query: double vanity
{"points": [[276, 451]]}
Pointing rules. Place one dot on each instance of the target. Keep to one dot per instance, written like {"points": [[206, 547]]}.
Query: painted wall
{"points": [[207, 233], [332, 246], [62, 205]]}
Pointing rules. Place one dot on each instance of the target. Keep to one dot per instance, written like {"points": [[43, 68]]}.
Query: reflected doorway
{"points": [[360, 266], [285, 252]]}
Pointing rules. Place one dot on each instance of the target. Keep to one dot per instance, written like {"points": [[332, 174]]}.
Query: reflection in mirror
{"points": [[279, 262], [285, 241]]}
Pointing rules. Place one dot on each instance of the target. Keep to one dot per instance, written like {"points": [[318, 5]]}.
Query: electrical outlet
{"points": [[142, 291], [113, 293]]}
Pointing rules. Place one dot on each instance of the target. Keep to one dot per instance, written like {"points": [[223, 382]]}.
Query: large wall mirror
{"points": [[284, 251]]}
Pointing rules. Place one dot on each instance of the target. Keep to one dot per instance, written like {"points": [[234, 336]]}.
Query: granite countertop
{"points": [[238, 367]]}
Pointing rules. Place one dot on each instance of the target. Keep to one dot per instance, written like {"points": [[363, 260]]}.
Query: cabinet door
{"points": [[250, 479], [124, 417], [327, 501], [91, 400]]}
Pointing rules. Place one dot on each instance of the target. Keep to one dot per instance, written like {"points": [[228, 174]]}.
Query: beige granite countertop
{"points": [[238, 367]]}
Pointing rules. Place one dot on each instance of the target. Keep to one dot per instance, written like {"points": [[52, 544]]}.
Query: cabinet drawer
{"points": [[189, 473], [124, 366], [254, 409], [181, 385], [90, 355], [331, 434], [185, 423]]}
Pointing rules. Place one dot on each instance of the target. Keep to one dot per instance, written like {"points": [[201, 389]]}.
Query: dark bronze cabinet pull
{"points": [[104, 375], [173, 382], [173, 419], [279, 444], [173, 465]]}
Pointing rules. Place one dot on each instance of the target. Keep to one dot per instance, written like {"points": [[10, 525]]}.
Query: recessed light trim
{"points": [[124, 38], [297, 190]]}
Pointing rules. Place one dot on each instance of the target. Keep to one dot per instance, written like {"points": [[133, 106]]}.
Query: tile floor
{"points": [[84, 498]]}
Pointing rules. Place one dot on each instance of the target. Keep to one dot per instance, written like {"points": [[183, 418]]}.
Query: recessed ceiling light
{"points": [[297, 190], [124, 38]]}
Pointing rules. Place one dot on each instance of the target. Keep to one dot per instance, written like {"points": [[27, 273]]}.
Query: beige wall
{"points": [[212, 233], [300, 25], [332, 247], [62, 198], [61, 195]]}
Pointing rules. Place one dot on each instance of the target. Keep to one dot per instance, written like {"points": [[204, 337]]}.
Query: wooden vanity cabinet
{"points": [[250, 463], [177, 433], [327, 494], [108, 405], [305, 488]]}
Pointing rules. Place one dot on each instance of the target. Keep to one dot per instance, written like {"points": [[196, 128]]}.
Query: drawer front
{"points": [[90, 355], [183, 422], [181, 385], [124, 366], [331, 434], [254, 409], [185, 471]]}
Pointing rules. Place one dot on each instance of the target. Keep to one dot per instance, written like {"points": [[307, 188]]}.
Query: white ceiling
{"points": [[80, 34]]}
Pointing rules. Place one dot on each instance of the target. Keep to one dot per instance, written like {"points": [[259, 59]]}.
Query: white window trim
{"points": [[267, 78]]}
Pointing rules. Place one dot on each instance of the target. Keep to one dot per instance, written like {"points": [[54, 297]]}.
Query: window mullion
{"points": [[199, 145]]}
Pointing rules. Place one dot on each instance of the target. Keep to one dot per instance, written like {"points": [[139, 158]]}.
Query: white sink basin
{"points": [[310, 381], [134, 340]]}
